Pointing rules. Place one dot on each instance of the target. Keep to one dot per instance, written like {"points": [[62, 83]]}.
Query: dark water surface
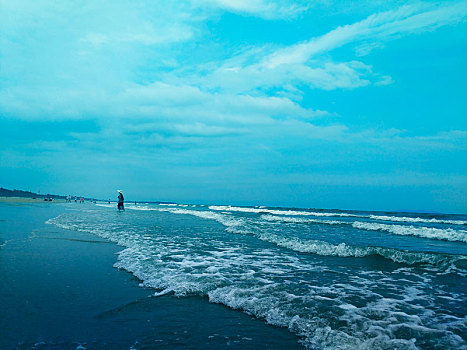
{"points": [[222, 276], [59, 290]]}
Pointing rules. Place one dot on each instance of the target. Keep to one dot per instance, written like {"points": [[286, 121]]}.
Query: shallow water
{"points": [[336, 279], [59, 290]]}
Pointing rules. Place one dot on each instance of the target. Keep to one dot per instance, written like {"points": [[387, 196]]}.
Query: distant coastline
{"points": [[27, 194], [28, 200], [20, 196]]}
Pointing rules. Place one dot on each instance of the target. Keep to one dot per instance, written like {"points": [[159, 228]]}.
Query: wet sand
{"points": [[60, 290]]}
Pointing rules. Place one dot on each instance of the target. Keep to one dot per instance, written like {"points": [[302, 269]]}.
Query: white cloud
{"points": [[258, 87], [149, 36], [325, 75], [304, 63], [394, 178], [376, 29], [384, 80], [392, 139], [267, 9], [201, 129]]}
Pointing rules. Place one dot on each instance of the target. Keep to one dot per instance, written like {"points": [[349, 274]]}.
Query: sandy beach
{"points": [[27, 200], [60, 290]]}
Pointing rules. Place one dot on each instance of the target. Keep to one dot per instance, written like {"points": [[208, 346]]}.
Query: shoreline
{"points": [[28, 200], [63, 292]]}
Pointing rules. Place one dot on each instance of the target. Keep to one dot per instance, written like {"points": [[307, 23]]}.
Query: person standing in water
{"points": [[120, 200]]}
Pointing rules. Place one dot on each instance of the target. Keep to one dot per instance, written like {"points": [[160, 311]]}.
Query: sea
{"points": [[337, 279]]}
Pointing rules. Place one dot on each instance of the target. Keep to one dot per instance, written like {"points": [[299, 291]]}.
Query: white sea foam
{"points": [[226, 220], [263, 210], [105, 205], [278, 212], [440, 262], [416, 220], [321, 304], [300, 220], [322, 248], [447, 234], [140, 207]]}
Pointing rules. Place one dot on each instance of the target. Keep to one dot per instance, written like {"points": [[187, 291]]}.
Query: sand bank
{"points": [[28, 200]]}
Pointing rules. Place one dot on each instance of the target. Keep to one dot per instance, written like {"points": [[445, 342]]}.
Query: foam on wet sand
{"points": [[62, 291]]}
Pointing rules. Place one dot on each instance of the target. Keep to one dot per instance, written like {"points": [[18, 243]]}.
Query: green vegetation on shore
{"points": [[27, 194]]}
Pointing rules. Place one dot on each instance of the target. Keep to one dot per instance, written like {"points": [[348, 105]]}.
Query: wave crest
{"points": [[443, 262]]}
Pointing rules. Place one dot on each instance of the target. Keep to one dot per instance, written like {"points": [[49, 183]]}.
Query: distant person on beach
{"points": [[120, 200]]}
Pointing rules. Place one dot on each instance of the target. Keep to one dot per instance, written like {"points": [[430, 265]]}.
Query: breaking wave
{"points": [[416, 220], [263, 210], [443, 262], [301, 220], [447, 234], [278, 212], [327, 303]]}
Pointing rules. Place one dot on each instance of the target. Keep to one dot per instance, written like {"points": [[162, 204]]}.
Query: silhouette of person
{"points": [[120, 200]]}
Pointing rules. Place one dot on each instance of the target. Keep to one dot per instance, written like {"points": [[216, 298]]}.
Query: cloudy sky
{"points": [[331, 104]]}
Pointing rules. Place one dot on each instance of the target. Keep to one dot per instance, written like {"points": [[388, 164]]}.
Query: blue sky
{"points": [[332, 104]]}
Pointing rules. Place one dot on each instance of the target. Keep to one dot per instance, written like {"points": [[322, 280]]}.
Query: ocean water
{"points": [[336, 279]]}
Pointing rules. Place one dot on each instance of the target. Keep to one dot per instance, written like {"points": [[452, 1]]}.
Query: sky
{"points": [[319, 104]]}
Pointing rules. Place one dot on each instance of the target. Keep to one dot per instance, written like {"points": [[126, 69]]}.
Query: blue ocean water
{"points": [[336, 279]]}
